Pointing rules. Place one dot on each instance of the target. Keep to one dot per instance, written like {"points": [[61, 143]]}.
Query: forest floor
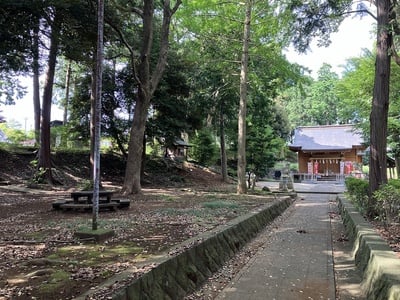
{"points": [[40, 258]]}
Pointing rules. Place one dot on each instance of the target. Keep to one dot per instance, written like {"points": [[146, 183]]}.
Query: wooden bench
{"points": [[122, 203], [57, 204], [104, 196], [87, 206]]}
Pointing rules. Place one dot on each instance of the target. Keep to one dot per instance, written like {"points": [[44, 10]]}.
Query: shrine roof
{"points": [[329, 137]]}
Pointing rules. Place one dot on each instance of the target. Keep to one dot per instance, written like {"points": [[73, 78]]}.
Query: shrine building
{"points": [[328, 152]]}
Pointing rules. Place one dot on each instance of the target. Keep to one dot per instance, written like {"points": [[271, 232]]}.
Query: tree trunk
{"points": [[396, 139], [67, 88], [44, 151], [135, 149], [241, 164], [224, 167], [132, 183], [147, 83], [36, 87], [380, 103]]}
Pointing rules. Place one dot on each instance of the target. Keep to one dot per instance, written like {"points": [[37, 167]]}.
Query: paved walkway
{"points": [[297, 262]]}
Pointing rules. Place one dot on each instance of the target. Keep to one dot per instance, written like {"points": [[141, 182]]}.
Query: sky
{"points": [[22, 111], [354, 35]]}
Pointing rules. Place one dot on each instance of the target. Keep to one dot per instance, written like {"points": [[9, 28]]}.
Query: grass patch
{"points": [[219, 204], [89, 230], [125, 249], [93, 254], [56, 280], [215, 197], [168, 198]]}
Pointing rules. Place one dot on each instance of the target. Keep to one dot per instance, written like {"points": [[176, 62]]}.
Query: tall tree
{"points": [[68, 76], [380, 100], [147, 77], [324, 103], [215, 36], [171, 113], [39, 31], [44, 162], [35, 80], [241, 165], [320, 18], [61, 19], [355, 89]]}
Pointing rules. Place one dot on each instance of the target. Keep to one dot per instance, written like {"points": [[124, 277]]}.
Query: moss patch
{"points": [[92, 254], [220, 204], [85, 233], [56, 280]]}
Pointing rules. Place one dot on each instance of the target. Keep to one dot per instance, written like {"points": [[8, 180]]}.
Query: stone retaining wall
{"points": [[379, 264], [176, 276]]}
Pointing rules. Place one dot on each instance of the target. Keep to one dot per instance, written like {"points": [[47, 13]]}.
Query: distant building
{"points": [[178, 149], [327, 151], [56, 123]]}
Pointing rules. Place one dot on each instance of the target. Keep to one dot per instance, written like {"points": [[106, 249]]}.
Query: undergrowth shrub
{"points": [[357, 190], [387, 202], [204, 149], [395, 183]]}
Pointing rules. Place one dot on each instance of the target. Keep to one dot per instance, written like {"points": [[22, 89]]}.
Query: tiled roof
{"points": [[330, 137], [180, 142]]}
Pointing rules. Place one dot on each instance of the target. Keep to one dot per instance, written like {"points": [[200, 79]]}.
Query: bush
{"points": [[395, 183], [387, 202], [357, 190], [205, 149]]}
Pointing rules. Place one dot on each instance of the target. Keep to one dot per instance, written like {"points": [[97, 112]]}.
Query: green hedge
{"points": [[357, 190], [385, 202]]}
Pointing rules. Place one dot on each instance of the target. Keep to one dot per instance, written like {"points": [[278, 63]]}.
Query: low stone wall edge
{"points": [[372, 255], [176, 276]]}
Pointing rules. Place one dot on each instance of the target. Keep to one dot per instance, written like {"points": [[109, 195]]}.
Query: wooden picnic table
{"points": [[104, 196], [83, 200]]}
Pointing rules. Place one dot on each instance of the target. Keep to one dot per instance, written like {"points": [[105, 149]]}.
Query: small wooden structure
{"points": [[328, 152], [82, 200], [178, 149]]}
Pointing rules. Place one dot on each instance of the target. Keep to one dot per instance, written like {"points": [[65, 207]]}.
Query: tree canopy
{"points": [[193, 69]]}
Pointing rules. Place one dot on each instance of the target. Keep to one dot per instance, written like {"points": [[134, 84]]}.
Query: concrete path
{"points": [[297, 262]]}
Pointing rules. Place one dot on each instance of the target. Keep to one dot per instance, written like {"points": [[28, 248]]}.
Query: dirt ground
{"points": [[40, 258]]}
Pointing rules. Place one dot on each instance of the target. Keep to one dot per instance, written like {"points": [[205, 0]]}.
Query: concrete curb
{"points": [[176, 276], [372, 255]]}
